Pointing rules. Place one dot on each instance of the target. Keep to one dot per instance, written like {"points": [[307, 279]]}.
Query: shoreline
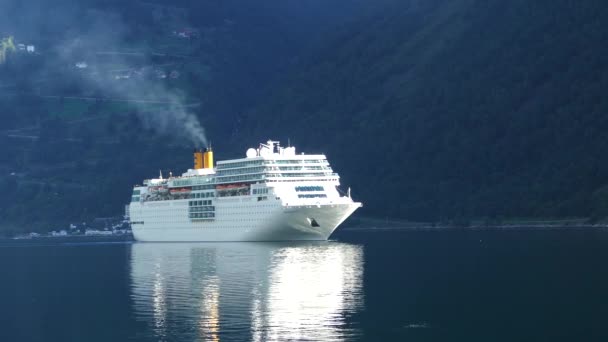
{"points": [[367, 223], [406, 227], [68, 239], [503, 228]]}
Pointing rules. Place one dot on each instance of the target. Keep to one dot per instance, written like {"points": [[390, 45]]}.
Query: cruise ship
{"points": [[273, 194]]}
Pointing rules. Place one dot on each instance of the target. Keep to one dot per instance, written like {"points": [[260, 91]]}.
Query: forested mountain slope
{"points": [[105, 95], [430, 110], [459, 109]]}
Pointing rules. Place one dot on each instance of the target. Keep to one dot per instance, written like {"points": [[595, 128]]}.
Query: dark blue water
{"points": [[374, 286]]}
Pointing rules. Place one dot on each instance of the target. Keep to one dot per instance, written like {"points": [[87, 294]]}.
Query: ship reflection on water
{"points": [[247, 291]]}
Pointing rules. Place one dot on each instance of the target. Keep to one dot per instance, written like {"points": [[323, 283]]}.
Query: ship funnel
{"points": [[198, 159], [208, 158]]}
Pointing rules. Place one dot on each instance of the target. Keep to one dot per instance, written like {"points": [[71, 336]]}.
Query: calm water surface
{"points": [[364, 285]]}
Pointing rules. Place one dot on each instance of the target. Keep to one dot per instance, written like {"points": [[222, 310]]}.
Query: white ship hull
{"points": [[239, 219], [273, 194]]}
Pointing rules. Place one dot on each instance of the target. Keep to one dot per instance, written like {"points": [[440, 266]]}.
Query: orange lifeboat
{"points": [[177, 191]]}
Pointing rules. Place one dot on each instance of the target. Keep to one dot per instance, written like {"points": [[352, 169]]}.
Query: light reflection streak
{"points": [[209, 322], [160, 309], [310, 291], [247, 291]]}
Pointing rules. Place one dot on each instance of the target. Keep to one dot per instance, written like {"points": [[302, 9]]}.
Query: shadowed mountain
{"points": [[431, 110], [93, 108], [459, 109]]}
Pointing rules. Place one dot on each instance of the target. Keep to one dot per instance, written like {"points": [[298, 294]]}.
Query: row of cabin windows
{"points": [[239, 178], [134, 198], [201, 215], [202, 195], [309, 188], [262, 191], [203, 187], [300, 161], [257, 169], [254, 177], [201, 209], [136, 192], [227, 179], [240, 164], [250, 170], [318, 174], [192, 181], [269, 162], [312, 196], [198, 203], [299, 168]]}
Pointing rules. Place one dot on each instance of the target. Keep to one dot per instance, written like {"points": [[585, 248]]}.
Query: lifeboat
{"points": [[177, 191], [231, 186]]}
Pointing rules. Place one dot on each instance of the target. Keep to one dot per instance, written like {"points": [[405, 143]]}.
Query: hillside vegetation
{"points": [[430, 110], [454, 110], [92, 111]]}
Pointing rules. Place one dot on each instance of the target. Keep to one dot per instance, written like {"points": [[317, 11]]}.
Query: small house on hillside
{"points": [[185, 33]]}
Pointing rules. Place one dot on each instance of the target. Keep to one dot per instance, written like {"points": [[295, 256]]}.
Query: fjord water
{"points": [[363, 285]]}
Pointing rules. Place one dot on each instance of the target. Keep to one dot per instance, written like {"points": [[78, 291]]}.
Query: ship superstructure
{"points": [[272, 194]]}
